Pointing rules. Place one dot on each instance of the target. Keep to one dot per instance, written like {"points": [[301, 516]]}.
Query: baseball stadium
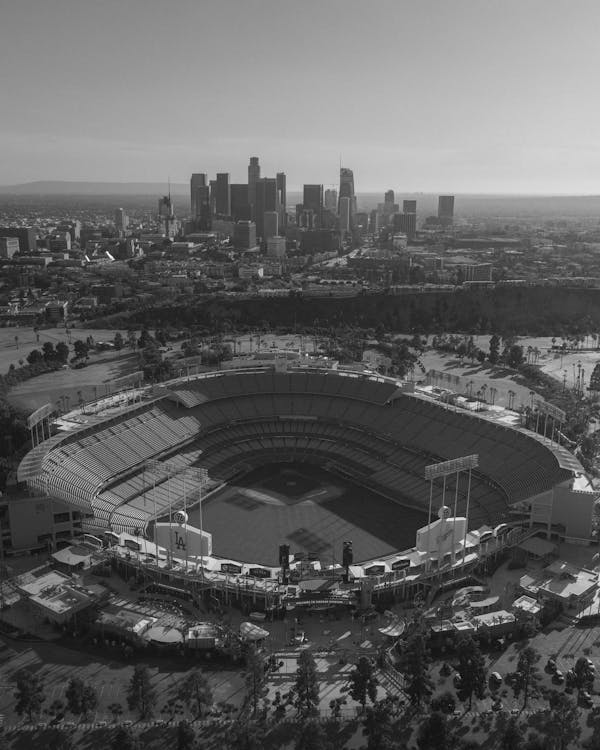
{"points": [[296, 453]]}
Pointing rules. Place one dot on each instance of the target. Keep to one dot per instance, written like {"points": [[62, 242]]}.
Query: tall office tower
{"points": [[240, 206], [313, 201], [213, 196], [198, 180], [165, 207], [345, 214], [406, 223], [446, 208], [121, 220], [202, 212], [331, 201], [265, 200], [409, 207], [244, 235], [271, 224], [347, 191], [253, 178], [282, 198], [223, 202], [388, 197]]}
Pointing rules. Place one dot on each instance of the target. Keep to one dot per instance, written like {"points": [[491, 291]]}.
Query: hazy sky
{"points": [[416, 95]]}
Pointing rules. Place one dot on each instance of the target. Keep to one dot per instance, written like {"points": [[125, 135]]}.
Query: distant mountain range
{"points": [[54, 187]]}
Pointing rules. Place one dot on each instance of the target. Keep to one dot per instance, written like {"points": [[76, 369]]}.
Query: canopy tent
{"points": [[251, 632]]}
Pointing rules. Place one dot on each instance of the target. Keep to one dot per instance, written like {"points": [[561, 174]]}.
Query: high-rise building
{"points": [[282, 198], [276, 247], [253, 178], [244, 235], [9, 246], [266, 200], [240, 205], [347, 191], [313, 198], [331, 201], [345, 215], [165, 207], [270, 224], [446, 208], [27, 237], [198, 180], [201, 207], [223, 197], [121, 220], [389, 196], [409, 207], [406, 223]]}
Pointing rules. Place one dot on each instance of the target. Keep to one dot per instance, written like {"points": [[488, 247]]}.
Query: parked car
{"points": [[457, 681], [497, 705], [558, 677], [496, 679]]}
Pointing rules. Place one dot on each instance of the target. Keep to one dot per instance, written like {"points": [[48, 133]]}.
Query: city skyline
{"points": [[458, 97]]}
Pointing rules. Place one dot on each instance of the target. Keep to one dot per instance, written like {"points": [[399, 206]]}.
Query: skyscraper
{"points": [[409, 207], [265, 200], [345, 214], [347, 191], [331, 200], [253, 178], [198, 180], [223, 196], [270, 224], [313, 198], [121, 220], [282, 198], [446, 208], [389, 196], [165, 207], [240, 205]]}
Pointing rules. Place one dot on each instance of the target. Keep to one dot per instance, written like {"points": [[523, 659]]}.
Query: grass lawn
{"points": [[49, 387]]}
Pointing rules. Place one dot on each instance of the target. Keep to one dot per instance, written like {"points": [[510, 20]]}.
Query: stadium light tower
{"points": [[445, 469]]}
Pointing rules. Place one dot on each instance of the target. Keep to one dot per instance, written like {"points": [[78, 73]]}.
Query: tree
{"points": [[563, 726], [434, 733], [583, 677], [196, 693], [185, 736], [512, 736], [414, 663], [118, 341], [254, 677], [363, 682], [81, 349], [123, 739], [116, 710], [311, 736], [48, 351], [29, 694], [494, 354], [527, 675], [514, 356], [141, 696], [377, 725], [471, 668], [59, 739], [62, 352], [81, 697], [306, 687], [34, 357]]}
